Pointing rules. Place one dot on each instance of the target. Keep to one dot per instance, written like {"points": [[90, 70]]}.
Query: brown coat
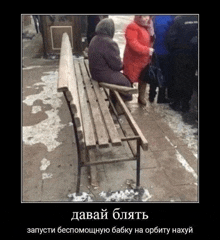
{"points": [[104, 55]]}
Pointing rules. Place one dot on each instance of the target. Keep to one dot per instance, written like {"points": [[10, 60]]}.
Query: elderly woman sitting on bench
{"points": [[104, 58]]}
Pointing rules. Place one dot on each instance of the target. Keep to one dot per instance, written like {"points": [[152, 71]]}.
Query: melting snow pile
{"points": [[127, 195], [80, 197]]}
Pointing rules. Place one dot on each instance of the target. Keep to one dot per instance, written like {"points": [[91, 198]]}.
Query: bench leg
{"points": [[93, 169], [78, 177], [81, 159], [77, 145], [138, 163]]}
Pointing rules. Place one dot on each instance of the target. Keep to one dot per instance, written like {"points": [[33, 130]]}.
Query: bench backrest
{"points": [[67, 83]]}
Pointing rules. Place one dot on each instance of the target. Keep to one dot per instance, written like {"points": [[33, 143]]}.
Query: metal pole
{"points": [[138, 162], [78, 147], [78, 174]]}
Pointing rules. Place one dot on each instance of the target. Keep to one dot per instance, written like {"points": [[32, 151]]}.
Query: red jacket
{"points": [[136, 54]]}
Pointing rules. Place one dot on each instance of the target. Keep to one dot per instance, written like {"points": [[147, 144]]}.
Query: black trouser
{"points": [[184, 68]]}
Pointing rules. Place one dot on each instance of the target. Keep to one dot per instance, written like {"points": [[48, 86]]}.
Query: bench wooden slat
{"points": [[118, 88], [102, 136], [89, 134], [67, 83], [112, 131], [133, 124], [62, 84], [72, 87]]}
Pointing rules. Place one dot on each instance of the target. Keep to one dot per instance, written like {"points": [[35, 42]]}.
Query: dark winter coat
{"points": [[183, 34], [104, 56]]}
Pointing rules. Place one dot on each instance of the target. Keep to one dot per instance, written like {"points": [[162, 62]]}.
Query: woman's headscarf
{"points": [[106, 26], [149, 25]]}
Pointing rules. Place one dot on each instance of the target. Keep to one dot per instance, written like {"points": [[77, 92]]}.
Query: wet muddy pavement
{"points": [[169, 169]]}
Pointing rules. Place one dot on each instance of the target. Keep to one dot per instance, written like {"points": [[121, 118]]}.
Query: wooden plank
{"points": [[93, 169], [119, 88], [65, 71], [133, 124], [86, 61], [79, 128], [72, 86], [89, 134], [62, 84], [101, 132], [112, 131], [67, 83]]}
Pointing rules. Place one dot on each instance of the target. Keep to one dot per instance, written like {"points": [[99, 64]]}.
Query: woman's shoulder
{"points": [[133, 26]]}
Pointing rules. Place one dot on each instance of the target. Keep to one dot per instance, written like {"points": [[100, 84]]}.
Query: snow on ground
{"points": [[128, 195], [47, 130], [187, 132]]}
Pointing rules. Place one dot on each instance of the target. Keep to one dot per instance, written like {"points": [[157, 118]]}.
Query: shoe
{"points": [[175, 106], [161, 96], [142, 101], [152, 92], [151, 99], [185, 107]]}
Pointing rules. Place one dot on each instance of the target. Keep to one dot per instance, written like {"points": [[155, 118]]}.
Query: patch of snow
{"points": [[186, 131], [31, 67], [127, 195], [44, 164], [46, 175], [185, 164], [46, 131], [80, 197], [36, 109]]}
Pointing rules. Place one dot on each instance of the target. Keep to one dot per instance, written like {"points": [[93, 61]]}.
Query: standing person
{"points": [[138, 51], [104, 57], [92, 21], [161, 27], [182, 41]]}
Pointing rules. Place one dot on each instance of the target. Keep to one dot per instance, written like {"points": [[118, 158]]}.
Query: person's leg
{"points": [[177, 86], [152, 92], [188, 82], [119, 79], [141, 92], [163, 61]]}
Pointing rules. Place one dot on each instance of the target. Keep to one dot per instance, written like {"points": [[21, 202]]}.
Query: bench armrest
{"points": [[119, 88]]}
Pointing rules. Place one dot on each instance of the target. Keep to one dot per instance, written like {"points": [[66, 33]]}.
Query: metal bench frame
{"points": [[82, 149]]}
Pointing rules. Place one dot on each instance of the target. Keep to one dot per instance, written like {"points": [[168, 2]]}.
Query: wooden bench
{"points": [[88, 102]]}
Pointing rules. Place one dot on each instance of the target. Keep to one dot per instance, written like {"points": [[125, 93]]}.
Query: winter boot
{"points": [[141, 90], [185, 106], [152, 92], [175, 105], [161, 96]]}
